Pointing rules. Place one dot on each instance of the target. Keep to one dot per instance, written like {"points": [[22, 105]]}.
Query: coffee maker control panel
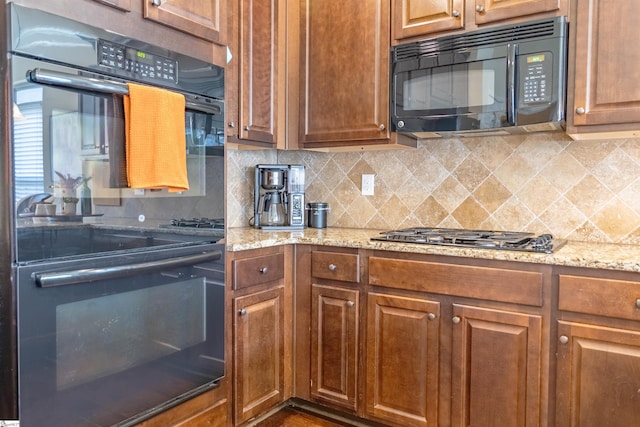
{"points": [[297, 210]]}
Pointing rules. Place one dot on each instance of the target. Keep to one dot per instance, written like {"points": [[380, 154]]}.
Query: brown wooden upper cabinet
{"points": [[604, 95], [204, 19], [414, 18], [256, 78], [343, 80]]}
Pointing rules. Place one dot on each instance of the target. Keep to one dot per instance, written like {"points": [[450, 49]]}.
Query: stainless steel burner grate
{"points": [[507, 240]]}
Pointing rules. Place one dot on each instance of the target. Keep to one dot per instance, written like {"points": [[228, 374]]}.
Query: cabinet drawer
{"points": [[494, 284], [602, 297], [255, 271], [335, 266]]}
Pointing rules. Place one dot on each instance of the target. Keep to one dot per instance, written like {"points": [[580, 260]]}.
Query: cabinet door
{"points": [[402, 359], [415, 18], [344, 72], [334, 345], [488, 11], [258, 352], [607, 70], [598, 377], [496, 372], [204, 18], [259, 65]]}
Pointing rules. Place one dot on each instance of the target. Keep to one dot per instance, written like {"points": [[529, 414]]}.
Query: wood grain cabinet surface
{"points": [[402, 369], [256, 73], [604, 95], [204, 18], [598, 348], [343, 75], [426, 18]]}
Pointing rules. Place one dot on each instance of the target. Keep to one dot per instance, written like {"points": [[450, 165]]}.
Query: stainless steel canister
{"points": [[317, 215]]}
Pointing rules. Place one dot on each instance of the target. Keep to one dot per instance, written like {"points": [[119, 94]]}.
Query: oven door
{"points": [[116, 339], [463, 90]]}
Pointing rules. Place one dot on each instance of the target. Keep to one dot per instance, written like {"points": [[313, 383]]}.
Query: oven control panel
{"points": [[142, 64]]}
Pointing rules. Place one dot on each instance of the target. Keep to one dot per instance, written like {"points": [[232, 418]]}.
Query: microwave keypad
{"points": [[537, 73]]}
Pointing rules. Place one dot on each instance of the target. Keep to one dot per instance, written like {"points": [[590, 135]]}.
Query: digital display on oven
{"points": [[142, 64]]}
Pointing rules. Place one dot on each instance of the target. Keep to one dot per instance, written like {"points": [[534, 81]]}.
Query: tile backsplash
{"points": [[581, 190]]}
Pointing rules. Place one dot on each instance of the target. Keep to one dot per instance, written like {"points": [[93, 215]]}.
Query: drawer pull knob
{"points": [[456, 14], [350, 303], [156, 2], [564, 339], [242, 311], [332, 267], [431, 316], [480, 8], [263, 270], [456, 320], [638, 303], [580, 111]]}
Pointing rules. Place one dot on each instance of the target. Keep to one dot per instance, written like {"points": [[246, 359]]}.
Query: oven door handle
{"points": [[89, 84], [71, 277]]}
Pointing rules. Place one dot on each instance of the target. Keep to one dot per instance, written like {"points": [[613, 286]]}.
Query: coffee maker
{"points": [[279, 197]]}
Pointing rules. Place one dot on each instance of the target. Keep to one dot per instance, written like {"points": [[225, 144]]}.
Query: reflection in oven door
{"points": [[140, 333]]}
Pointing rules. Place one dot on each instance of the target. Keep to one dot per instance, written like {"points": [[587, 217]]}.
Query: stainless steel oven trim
{"points": [[70, 277], [70, 81]]}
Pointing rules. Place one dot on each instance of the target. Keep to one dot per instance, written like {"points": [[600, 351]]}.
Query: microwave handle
{"points": [[512, 54]]}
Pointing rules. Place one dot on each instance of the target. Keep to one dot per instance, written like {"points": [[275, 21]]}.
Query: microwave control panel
{"points": [[537, 74], [141, 64]]}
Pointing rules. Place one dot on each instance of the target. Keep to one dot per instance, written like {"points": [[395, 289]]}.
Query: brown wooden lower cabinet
{"points": [[258, 352], [334, 346], [402, 360], [496, 367], [598, 376]]}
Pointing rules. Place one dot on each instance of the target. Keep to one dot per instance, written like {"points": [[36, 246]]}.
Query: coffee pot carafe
{"points": [[272, 209]]}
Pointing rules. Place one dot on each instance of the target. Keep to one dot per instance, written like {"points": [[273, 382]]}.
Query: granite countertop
{"points": [[573, 254]]}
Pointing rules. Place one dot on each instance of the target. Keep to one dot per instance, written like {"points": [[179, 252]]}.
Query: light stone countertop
{"points": [[572, 254]]}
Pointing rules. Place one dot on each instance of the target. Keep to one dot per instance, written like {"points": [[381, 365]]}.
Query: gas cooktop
{"points": [[485, 239], [202, 223]]}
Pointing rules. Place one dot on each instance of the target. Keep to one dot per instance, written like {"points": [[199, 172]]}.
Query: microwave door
{"points": [[466, 90]]}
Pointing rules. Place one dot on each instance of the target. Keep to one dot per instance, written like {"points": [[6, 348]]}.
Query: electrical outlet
{"points": [[138, 191], [367, 184]]}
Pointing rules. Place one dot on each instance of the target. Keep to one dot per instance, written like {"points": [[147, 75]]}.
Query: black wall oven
{"points": [[107, 317]]}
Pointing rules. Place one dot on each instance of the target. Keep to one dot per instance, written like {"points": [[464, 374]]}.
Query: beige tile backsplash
{"points": [[581, 190]]}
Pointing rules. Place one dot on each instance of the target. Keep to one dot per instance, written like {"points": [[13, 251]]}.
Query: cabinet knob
{"points": [[564, 339], [381, 127], [156, 2], [350, 303], [455, 13], [580, 110], [242, 311], [263, 270], [332, 267], [480, 8], [638, 303], [231, 124], [247, 128], [456, 320], [431, 316]]}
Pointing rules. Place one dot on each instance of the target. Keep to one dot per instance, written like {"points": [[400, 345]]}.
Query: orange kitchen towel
{"points": [[156, 154]]}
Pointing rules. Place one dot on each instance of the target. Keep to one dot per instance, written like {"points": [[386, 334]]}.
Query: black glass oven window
{"points": [[105, 335]]}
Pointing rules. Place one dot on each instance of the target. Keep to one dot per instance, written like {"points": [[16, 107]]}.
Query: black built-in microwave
{"points": [[503, 80]]}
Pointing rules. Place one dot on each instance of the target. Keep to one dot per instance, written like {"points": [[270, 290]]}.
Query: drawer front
{"points": [[493, 284], [255, 271], [335, 266], [602, 297]]}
